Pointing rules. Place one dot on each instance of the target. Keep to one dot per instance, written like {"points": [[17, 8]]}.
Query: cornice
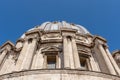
{"points": [[33, 32], [20, 40], [89, 35], [115, 52], [52, 41], [100, 38], [7, 43], [53, 31], [84, 35], [68, 30], [84, 44]]}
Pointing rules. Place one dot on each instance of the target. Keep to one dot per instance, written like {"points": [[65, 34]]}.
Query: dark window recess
{"points": [[83, 62], [51, 62], [30, 40]]}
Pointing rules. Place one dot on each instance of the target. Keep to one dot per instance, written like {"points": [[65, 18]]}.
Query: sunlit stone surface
{"points": [[58, 51]]}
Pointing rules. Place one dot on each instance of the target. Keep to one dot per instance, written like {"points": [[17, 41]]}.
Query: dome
{"points": [[49, 26], [58, 51], [52, 26]]}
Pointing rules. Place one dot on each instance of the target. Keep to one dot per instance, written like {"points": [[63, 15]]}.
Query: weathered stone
{"points": [[58, 51]]}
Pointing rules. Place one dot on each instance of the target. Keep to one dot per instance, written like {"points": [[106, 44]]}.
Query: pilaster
{"points": [[117, 69], [25, 58], [75, 54], [2, 56], [107, 61], [94, 65], [65, 51]]}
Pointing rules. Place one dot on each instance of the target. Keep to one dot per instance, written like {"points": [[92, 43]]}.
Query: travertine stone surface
{"points": [[58, 75], [69, 49], [108, 63]]}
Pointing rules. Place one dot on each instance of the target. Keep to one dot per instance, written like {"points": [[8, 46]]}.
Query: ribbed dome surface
{"points": [[52, 26]]}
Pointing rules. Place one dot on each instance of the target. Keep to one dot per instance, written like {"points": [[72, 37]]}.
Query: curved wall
{"points": [[58, 75], [71, 51]]}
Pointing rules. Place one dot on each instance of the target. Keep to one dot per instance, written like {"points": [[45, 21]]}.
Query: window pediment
{"points": [[51, 49]]}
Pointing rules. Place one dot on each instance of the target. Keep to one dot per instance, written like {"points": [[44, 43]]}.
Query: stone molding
{"points": [[84, 44], [100, 38], [68, 30], [115, 52], [59, 71], [52, 41], [51, 49], [33, 32], [7, 43], [20, 40]]}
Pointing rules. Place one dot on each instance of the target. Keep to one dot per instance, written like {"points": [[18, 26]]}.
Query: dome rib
{"points": [[52, 26]]}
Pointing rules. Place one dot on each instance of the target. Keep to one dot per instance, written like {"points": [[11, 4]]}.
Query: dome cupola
{"points": [[57, 26]]}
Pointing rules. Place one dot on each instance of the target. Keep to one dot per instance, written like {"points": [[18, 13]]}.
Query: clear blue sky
{"points": [[100, 17]]}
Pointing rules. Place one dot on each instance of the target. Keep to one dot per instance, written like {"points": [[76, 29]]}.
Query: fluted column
{"points": [[107, 61], [113, 61], [66, 55], [75, 54], [2, 56]]}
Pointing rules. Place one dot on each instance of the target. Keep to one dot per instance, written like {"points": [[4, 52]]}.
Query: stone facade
{"points": [[116, 56], [58, 51]]}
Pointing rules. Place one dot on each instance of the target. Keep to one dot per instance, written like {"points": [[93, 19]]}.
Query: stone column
{"points": [[26, 55], [38, 63], [45, 62], [94, 65], [21, 56], [2, 56], [34, 62], [30, 52], [70, 52], [65, 51], [2, 62], [75, 54], [107, 61], [113, 61], [88, 64], [59, 59]]}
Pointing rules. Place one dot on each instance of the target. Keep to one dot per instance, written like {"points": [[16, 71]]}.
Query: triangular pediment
{"points": [[8, 43], [50, 48]]}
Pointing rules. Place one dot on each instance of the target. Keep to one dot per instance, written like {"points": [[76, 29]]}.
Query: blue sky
{"points": [[101, 17]]}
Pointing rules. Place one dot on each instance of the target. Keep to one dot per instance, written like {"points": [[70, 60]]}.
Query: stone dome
{"points": [[58, 51], [55, 26]]}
